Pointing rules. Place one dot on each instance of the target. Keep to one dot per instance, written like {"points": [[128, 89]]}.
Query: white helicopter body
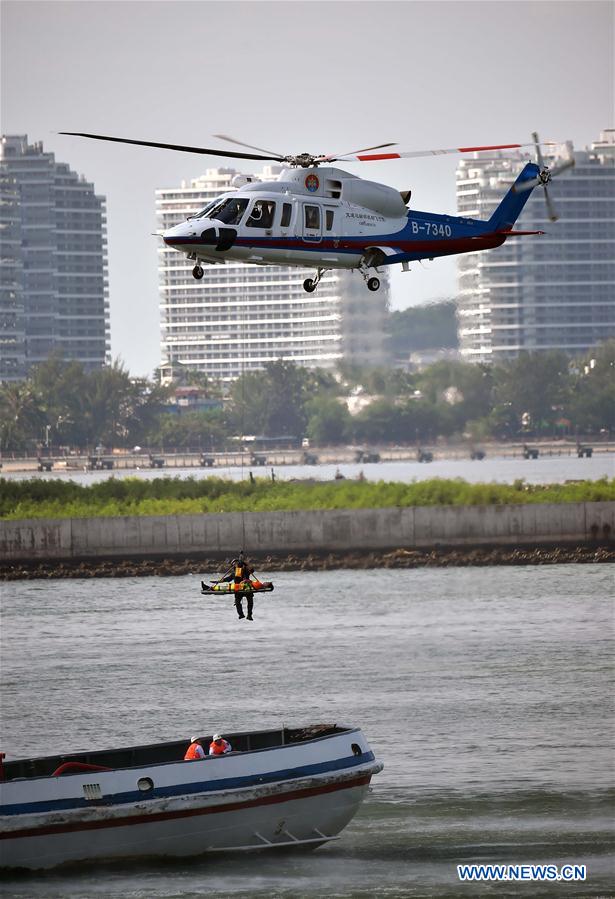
{"points": [[303, 218], [317, 215]]}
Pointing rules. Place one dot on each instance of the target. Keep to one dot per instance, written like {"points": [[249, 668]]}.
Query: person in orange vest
{"points": [[240, 574], [195, 750], [219, 746], [242, 582]]}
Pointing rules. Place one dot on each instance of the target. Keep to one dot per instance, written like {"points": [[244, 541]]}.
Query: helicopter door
{"points": [[312, 222]]}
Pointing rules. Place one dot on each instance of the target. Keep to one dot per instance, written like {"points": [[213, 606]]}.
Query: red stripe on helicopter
{"points": [[463, 244], [497, 147], [380, 156]]}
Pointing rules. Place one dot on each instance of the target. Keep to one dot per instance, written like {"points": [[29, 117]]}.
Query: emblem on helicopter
{"points": [[312, 183]]}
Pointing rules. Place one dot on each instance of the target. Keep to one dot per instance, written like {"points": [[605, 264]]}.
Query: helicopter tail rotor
{"points": [[544, 177]]}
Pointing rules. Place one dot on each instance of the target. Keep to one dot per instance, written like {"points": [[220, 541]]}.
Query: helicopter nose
{"points": [[220, 238], [175, 236]]}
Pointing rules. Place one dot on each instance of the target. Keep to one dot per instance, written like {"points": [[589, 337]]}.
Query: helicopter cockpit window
{"points": [[262, 214], [230, 211], [312, 217], [203, 212]]}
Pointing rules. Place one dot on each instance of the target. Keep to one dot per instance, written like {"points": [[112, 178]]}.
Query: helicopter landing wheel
{"points": [[197, 272], [309, 285], [373, 284]]}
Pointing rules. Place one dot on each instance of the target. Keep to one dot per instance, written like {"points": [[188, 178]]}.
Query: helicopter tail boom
{"points": [[512, 205]]}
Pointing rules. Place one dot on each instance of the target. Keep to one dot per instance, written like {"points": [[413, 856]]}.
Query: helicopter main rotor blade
{"points": [[334, 156], [204, 151], [415, 154], [240, 143]]}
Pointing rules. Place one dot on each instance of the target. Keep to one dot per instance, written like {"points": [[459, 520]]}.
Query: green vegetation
{"points": [[175, 496], [61, 403], [426, 327], [536, 394]]}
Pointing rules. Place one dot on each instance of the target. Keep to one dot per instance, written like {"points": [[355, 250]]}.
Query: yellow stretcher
{"points": [[244, 587]]}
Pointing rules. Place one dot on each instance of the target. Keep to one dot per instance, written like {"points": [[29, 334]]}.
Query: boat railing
{"points": [[159, 753]]}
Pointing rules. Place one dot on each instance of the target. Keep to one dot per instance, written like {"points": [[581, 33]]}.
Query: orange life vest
{"points": [[193, 752], [240, 571], [217, 748]]}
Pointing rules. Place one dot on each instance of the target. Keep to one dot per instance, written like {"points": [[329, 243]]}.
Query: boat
{"points": [[282, 788]]}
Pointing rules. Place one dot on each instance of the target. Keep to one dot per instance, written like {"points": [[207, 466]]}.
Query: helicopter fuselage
{"points": [[327, 218]]}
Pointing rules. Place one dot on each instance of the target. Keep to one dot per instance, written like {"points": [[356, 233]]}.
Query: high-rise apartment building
{"points": [[241, 316], [54, 258], [555, 291], [12, 324]]}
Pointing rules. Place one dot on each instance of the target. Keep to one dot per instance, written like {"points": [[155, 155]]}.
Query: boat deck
{"points": [[165, 753]]}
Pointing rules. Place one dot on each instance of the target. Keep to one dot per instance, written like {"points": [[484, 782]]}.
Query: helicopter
{"points": [[317, 215]]}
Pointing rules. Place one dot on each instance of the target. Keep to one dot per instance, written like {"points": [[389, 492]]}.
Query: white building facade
{"points": [[12, 313], [555, 291], [239, 316], [55, 256]]}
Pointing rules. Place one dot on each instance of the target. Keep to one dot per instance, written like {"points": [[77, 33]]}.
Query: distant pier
{"points": [[122, 460]]}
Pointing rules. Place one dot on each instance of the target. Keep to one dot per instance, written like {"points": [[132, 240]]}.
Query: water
{"points": [[486, 692], [504, 470]]}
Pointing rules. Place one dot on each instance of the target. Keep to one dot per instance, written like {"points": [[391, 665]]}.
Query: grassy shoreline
{"points": [[191, 496]]}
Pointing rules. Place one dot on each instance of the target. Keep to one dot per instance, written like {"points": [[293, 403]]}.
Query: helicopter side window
{"points": [[329, 214], [232, 210], [287, 211], [312, 217], [262, 214]]}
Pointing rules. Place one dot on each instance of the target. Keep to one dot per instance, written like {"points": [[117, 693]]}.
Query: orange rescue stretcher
{"points": [[244, 587]]}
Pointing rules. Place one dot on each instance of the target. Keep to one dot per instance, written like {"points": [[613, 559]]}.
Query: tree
{"points": [[459, 390], [272, 401], [535, 386], [329, 421], [390, 382], [22, 418], [102, 406], [429, 326], [377, 423], [421, 420], [591, 403], [202, 430]]}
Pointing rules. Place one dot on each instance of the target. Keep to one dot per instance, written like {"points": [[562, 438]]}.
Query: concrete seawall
{"points": [[302, 532]]}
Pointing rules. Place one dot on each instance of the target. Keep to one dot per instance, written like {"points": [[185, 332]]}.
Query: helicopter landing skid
{"points": [[310, 284]]}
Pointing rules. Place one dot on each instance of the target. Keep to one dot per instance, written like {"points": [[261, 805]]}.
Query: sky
{"points": [[325, 77]]}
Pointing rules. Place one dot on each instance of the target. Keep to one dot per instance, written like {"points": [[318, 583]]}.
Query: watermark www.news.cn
{"points": [[564, 873]]}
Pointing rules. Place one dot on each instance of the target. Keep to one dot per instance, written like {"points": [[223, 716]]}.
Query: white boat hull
{"points": [[297, 811]]}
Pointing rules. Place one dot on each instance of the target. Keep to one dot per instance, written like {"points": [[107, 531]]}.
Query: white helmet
{"points": [[217, 737], [193, 739]]}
